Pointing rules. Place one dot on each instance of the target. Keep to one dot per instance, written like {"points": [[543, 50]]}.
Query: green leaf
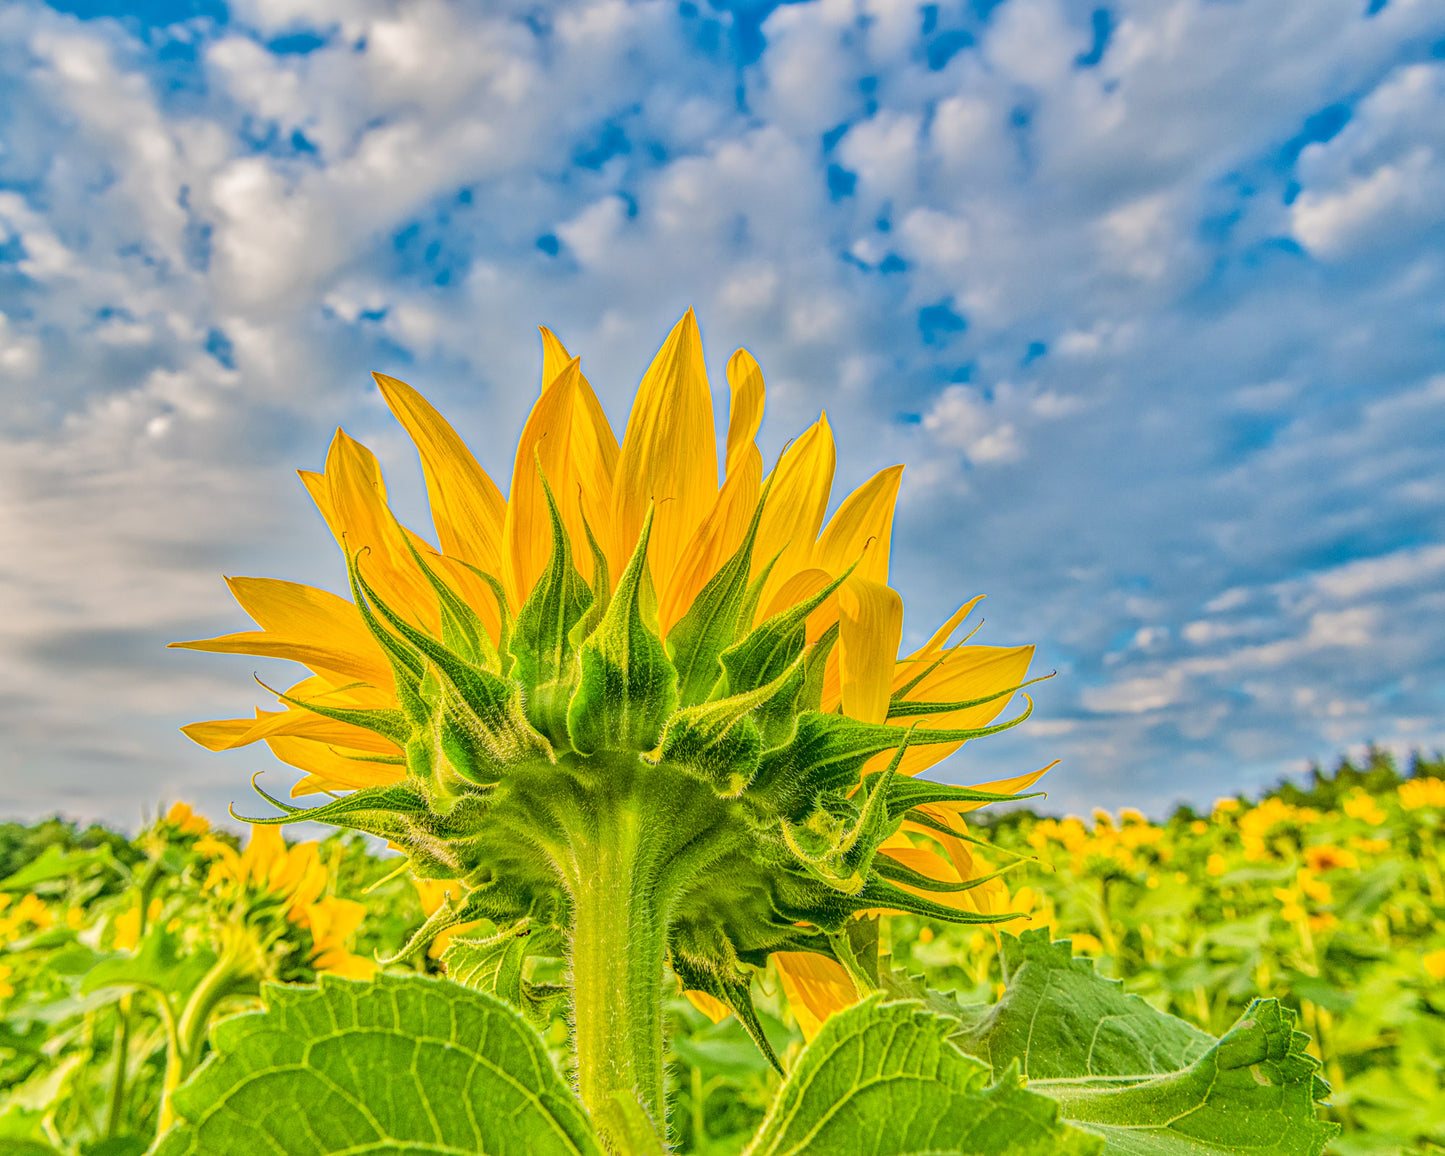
{"points": [[882, 1079], [628, 687], [1150, 1084], [54, 863], [404, 1066], [158, 966], [496, 966]]}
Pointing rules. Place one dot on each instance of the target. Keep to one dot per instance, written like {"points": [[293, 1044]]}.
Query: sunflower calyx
{"points": [[643, 709]]}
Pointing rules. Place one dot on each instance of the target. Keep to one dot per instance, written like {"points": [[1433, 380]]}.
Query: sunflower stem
{"points": [[617, 951]]}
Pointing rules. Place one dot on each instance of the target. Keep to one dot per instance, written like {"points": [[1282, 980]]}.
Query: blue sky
{"points": [[1150, 296]]}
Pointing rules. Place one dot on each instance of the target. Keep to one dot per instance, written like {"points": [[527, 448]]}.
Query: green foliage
{"points": [[404, 1065], [1059, 1020], [1146, 1081], [882, 1079], [1196, 916]]}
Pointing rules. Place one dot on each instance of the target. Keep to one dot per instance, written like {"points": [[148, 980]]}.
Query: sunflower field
{"points": [[637, 855], [118, 955]]}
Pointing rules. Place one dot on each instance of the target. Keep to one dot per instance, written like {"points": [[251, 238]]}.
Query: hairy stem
{"points": [[629, 827], [619, 941]]}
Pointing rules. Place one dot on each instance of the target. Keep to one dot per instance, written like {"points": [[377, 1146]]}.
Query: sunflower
{"points": [[662, 716]]}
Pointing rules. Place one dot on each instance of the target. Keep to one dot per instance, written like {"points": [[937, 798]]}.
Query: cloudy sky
{"points": [[1149, 296]]}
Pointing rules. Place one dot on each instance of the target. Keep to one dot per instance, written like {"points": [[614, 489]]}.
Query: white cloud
{"points": [[961, 419]]}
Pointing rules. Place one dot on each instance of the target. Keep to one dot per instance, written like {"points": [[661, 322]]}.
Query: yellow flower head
{"points": [[1424, 791], [626, 635], [1328, 857], [186, 821]]}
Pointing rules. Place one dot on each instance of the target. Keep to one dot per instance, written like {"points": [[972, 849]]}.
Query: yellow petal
{"points": [[325, 763], [466, 506], [296, 722], [566, 432], [669, 455], [554, 356], [816, 987], [797, 500], [745, 414], [306, 614], [714, 1009], [320, 658], [265, 849], [862, 528], [870, 627], [218, 734], [353, 502], [934, 646], [715, 540], [965, 673]]}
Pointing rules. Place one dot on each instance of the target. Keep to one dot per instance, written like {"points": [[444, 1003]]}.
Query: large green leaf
{"points": [[1145, 1081], [882, 1079], [402, 1066]]}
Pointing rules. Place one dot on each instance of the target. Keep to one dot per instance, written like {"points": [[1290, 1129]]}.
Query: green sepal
{"points": [[773, 645], [462, 630], [494, 901], [405, 814], [542, 642], [731, 988], [474, 719], [601, 589], [489, 713], [777, 718], [392, 799], [879, 892], [505, 659], [496, 966], [753, 596], [718, 741], [627, 688], [906, 793], [711, 623], [896, 872], [828, 751], [384, 721], [907, 708], [407, 665], [930, 824], [841, 857]]}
